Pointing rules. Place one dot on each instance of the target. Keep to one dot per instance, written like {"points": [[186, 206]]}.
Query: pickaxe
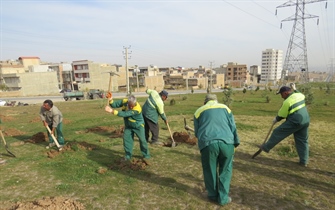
{"points": [[111, 74]]}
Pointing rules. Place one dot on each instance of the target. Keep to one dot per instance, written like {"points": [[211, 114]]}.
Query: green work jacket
{"points": [[132, 117], [294, 109], [154, 106], [215, 121]]}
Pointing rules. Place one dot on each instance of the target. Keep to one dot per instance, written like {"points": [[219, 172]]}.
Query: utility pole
{"points": [[330, 75], [296, 54], [138, 85], [127, 70], [186, 80]]}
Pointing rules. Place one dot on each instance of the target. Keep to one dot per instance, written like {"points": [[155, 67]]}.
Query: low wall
{"points": [[10, 94]]}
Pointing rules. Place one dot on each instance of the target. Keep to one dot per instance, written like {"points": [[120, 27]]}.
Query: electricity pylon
{"points": [[296, 54]]}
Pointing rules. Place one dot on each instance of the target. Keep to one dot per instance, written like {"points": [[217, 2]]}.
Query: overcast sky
{"points": [[164, 33]]}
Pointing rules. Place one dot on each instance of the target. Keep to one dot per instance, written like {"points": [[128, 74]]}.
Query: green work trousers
{"points": [[300, 134], [128, 142], [217, 166], [59, 132]]}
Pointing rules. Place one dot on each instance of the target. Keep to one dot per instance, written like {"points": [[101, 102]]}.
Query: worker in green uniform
{"points": [[297, 121], [152, 108], [134, 125], [52, 117], [215, 128]]}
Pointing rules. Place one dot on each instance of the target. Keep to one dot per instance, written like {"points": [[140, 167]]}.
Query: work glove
{"points": [[109, 95], [274, 121], [292, 85]]}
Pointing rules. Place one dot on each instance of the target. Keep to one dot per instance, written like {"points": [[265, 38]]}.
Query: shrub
{"points": [[172, 102], [227, 99], [309, 95]]}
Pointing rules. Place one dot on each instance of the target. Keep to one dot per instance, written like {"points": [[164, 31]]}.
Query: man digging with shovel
{"points": [[152, 109], [52, 119], [297, 122]]}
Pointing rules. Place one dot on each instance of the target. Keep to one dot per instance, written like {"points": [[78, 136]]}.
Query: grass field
{"points": [[174, 179]]}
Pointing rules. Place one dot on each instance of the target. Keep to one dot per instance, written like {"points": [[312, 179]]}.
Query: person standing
{"points": [[152, 108], [134, 124], [215, 129], [297, 121], [52, 117]]}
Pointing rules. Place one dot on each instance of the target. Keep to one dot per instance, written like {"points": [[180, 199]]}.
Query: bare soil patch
{"points": [[182, 137], [38, 138], [115, 131], [72, 146], [134, 164], [12, 132], [49, 203], [5, 118]]}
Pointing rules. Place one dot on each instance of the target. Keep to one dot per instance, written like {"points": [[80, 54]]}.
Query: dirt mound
{"points": [[38, 138], [72, 146], [134, 164], [182, 137], [49, 203]]}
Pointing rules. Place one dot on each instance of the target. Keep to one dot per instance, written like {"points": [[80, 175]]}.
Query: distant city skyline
{"points": [[163, 33]]}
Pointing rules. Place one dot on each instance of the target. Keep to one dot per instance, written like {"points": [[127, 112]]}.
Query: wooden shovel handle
{"points": [[53, 137]]}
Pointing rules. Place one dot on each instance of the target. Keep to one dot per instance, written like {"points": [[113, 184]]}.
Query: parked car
{"points": [[2, 103], [95, 93], [78, 95]]}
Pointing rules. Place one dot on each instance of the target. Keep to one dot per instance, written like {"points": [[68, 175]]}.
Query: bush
{"points": [[309, 95], [172, 102], [227, 99]]}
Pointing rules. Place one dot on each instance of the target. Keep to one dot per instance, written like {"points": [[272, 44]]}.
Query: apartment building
{"points": [[90, 75], [237, 75], [255, 74], [272, 61], [15, 75], [64, 75], [29, 61]]}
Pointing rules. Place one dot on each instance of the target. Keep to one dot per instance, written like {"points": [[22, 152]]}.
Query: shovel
{"points": [[4, 141], [54, 138], [173, 142], [260, 150]]}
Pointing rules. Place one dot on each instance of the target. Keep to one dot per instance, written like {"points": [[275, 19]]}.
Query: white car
{"points": [[2, 103]]}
